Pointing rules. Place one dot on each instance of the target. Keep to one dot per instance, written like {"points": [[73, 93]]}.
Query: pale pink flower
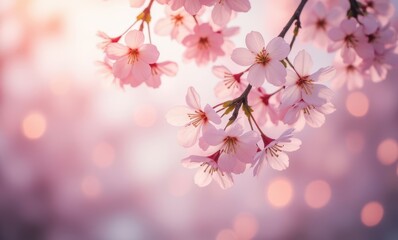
{"points": [[237, 147], [222, 10], [350, 38], [209, 170], [274, 152], [132, 61], [303, 112], [264, 61], [227, 32], [167, 68], [301, 84], [191, 6], [192, 118], [317, 22], [178, 24], [203, 45], [265, 106], [106, 40], [231, 86], [350, 73], [378, 7], [378, 67], [139, 3]]}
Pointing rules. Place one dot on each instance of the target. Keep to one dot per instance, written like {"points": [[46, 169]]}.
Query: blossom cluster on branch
{"points": [[231, 133]]}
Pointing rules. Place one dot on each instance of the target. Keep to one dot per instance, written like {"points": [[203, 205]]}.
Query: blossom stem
{"points": [[296, 16], [355, 9]]}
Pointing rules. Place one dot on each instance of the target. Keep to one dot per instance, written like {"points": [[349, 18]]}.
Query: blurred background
{"points": [[82, 158]]}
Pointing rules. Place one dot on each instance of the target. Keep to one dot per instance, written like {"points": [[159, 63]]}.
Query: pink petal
{"points": [[225, 180], [278, 48], [178, 116], [149, 53], [188, 136], [243, 57], [116, 50], [280, 162], [202, 177], [275, 73], [239, 5], [256, 76], [221, 14], [164, 26], [323, 74], [192, 6], [303, 63], [348, 26], [291, 95], [226, 163], [211, 115], [314, 118], [259, 159], [136, 3], [292, 115], [141, 71], [255, 42], [168, 68], [193, 99], [292, 146], [153, 81], [214, 136], [121, 68], [336, 34], [134, 39], [220, 71]]}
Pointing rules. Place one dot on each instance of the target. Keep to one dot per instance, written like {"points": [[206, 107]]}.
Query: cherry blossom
{"points": [[232, 85], [350, 39], [317, 22], [350, 73], [192, 118], [132, 61], [209, 170], [191, 6], [177, 24], [203, 45], [237, 147], [106, 40], [301, 84], [274, 152], [265, 106], [264, 61]]}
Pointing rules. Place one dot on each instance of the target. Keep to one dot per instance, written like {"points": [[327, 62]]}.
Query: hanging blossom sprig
{"points": [[272, 89]]}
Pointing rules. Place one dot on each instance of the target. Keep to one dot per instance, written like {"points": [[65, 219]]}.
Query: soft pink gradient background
{"points": [[81, 158]]}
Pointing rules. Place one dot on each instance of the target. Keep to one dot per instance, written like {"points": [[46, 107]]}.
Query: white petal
{"points": [[134, 39], [225, 180], [314, 118], [256, 76], [192, 98], [243, 57], [178, 116], [255, 42], [280, 162], [303, 63], [202, 177], [275, 73], [187, 136], [278, 48]]}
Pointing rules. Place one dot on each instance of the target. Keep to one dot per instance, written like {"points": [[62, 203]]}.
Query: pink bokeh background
{"points": [[81, 158]]}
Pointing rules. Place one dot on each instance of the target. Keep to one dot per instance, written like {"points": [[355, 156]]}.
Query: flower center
{"points": [[178, 19], [350, 41], [306, 84], [203, 43], [321, 24], [197, 118], [262, 57], [133, 56], [229, 145]]}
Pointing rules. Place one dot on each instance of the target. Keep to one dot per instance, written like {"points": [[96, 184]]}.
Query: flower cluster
{"points": [[271, 91]]}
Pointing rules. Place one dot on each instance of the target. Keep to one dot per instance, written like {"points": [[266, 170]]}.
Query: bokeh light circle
{"points": [[227, 234], [317, 194], [372, 213], [280, 192], [34, 125], [357, 104], [103, 155], [245, 226], [387, 151]]}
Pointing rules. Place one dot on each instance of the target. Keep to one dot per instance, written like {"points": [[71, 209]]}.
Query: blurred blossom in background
{"points": [[81, 158]]}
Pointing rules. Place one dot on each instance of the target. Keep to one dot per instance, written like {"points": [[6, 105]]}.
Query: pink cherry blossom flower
{"points": [[301, 84], [167, 68], [265, 106], [274, 152], [264, 61], [378, 67], [209, 170], [178, 24], [203, 45], [317, 22], [191, 6], [237, 147], [350, 38], [139, 3], [302, 112], [106, 40], [350, 73], [227, 32], [192, 118], [222, 10], [231, 86], [132, 61]]}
